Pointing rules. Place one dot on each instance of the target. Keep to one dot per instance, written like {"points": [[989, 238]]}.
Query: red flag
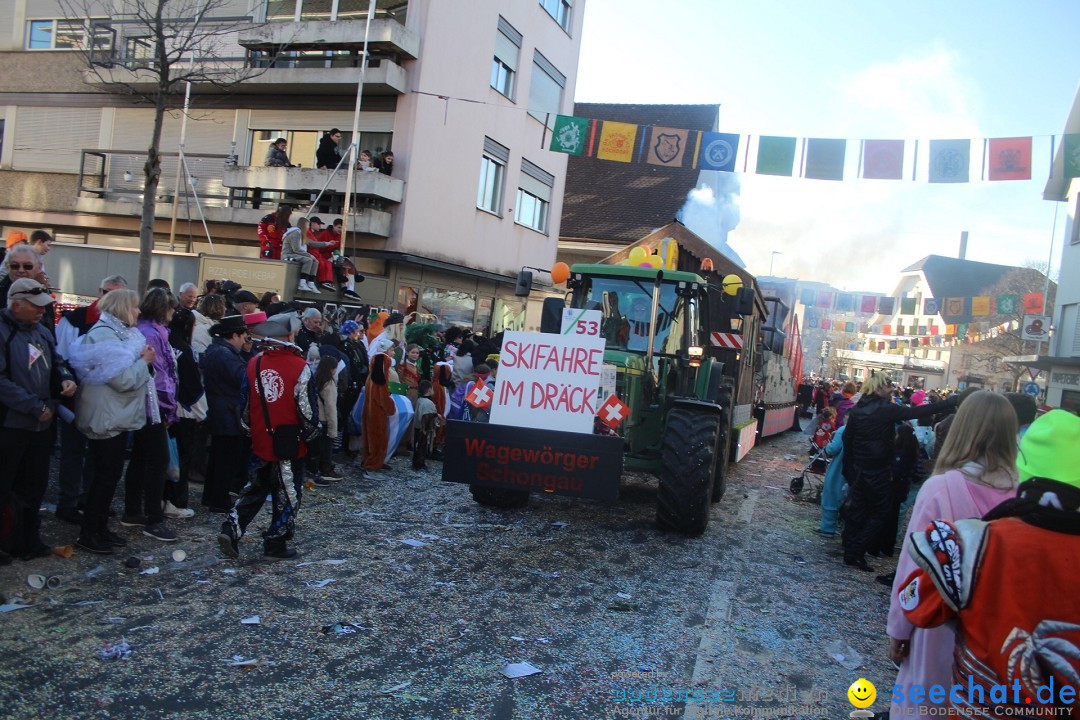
{"points": [[1033, 303], [1010, 158], [869, 304], [887, 330], [883, 159]]}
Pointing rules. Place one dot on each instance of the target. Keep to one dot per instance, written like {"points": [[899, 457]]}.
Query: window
{"points": [[504, 64], [560, 11], [61, 34], [545, 89], [492, 169], [450, 307], [533, 197]]}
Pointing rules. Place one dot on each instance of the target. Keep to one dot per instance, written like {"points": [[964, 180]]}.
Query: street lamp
{"points": [[772, 259]]}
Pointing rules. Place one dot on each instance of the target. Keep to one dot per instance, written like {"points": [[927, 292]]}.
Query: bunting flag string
{"points": [[1002, 159], [951, 307]]}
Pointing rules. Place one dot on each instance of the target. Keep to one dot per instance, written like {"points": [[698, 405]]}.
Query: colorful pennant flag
{"points": [[1009, 158], [886, 329], [826, 324], [900, 330], [925, 341], [913, 330], [813, 323], [617, 141], [893, 344], [950, 330], [922, 330], [962, 330], [949, 161], [886, 305], [1033, 303], [980, 305], [881, 346], [883, 159], [907, 306], [824, 299], [569, 135], [667, 146], [1071, 153], [825, 158], [930, 306], [845, 302], [1008, 304], [808, 298], [718, 151], [849, 327], [869, 304], [934, 329], [955, 306], [776, 155]]}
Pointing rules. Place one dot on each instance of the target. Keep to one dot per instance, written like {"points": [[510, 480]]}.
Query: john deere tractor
{"points": [[655, 326]]}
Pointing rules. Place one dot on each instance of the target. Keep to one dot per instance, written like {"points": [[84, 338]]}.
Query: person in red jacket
{"points": [[283, 407], [346, 271], [270, 231], [1009, 586]]}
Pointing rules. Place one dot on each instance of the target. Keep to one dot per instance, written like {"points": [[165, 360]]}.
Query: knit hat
{"points": [[349, 327], [918, 397], [1051, 449], [16, 237]]}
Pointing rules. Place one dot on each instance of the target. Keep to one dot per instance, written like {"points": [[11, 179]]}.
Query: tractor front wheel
{"points": [[686, 473]]}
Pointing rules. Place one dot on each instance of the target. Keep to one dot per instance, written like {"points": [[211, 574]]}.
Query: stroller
{"points": [[819, 463]]}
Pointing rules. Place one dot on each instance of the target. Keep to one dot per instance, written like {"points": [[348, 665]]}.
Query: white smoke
{"points": [[711, 211]]}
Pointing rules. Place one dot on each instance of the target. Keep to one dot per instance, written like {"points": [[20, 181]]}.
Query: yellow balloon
{"points": [[638, 255], [732, 283]]}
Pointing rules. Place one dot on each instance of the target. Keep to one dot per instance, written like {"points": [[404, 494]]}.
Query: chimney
{"points": [[963, 244]]}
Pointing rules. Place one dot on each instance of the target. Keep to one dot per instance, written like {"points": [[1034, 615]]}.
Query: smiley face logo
{"points": [[862, 693]]}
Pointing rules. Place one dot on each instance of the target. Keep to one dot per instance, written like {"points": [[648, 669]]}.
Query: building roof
{"points": [[622, 202], [953, 277]]}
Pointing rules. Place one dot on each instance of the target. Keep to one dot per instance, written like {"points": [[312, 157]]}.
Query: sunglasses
{"points": [[34, 291], [21, 266]]}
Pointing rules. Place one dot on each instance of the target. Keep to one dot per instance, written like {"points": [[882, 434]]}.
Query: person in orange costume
{"points": [[1008, 584], [378, 407]]}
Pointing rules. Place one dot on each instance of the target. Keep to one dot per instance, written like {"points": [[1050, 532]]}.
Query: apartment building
{"points": [[462, 93]]}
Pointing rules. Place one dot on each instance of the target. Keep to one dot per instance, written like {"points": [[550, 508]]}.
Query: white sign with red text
{"points": [[548, 381], [581, 322]]}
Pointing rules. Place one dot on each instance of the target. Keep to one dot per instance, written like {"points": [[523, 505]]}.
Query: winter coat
{"points": [[190, 386], [27, 385], [165, 375], [224, 369], [107, 407], [329, 154], [276, 157], [871, 430]]}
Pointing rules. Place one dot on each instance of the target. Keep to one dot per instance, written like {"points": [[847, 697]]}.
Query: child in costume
{"points": [[424, 424], [378, 407]]}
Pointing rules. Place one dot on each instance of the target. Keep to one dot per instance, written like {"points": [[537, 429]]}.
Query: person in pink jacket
{"points": [[975, 472]]}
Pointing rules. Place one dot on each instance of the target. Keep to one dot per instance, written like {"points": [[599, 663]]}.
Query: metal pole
{"points": [[179, 162], [354, 145], [773, 258], [198, 203], [1046, 285]]}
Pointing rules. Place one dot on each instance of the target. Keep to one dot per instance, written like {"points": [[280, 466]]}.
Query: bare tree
{"points": [[987, 355], [182, 41]]}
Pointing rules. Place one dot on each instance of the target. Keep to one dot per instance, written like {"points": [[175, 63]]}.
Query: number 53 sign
{"points": [[581, 322]]}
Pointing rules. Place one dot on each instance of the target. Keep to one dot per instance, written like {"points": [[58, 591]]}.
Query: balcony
{"points": [[111, 183], [387, 37], [371, 185]]}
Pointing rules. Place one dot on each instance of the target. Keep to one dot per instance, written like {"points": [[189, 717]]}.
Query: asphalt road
{"points": [[593, 596]]}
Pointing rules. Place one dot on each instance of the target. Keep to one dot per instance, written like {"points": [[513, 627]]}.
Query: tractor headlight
{"points": [[695, 351]]}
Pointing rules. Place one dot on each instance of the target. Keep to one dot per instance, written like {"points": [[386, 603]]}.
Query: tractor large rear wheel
{"points": [[686, 473], [498, 497]]}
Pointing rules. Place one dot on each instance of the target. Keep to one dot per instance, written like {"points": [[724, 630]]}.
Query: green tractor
{"points": [[656, 328]]}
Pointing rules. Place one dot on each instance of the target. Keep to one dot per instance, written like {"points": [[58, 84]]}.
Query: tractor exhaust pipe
{"points": [[651, 386]]}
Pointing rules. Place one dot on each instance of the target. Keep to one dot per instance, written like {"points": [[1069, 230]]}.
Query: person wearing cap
{"points": [[32, 380], [244, 302], [294, 250], [24, 262], [321, 250], [224, 367], [283, 408], [1008, 583], [112, 363], [276, 155]]}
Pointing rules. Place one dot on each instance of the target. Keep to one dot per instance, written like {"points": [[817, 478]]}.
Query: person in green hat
{"points": [[1009, 584]]}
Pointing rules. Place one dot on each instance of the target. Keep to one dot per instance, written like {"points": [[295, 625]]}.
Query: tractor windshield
{"points": [[626, 302]]}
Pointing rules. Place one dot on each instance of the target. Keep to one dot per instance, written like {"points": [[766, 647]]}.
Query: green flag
{"points": [[569, 134], [776, 155], [907, 306], [1007, 304], [1072, 155]]}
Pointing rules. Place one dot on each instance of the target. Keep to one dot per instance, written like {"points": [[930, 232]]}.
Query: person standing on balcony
{"points": [[328, 155], [276, 155]]}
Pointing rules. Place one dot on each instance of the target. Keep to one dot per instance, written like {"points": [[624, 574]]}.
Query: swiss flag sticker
{"points": [[613, 411]]}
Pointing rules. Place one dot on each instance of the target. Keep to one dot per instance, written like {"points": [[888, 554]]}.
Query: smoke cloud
{"points": [[712, 211]]}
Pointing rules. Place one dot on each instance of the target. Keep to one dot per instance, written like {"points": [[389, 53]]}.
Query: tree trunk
{"points": [[152, 171]]}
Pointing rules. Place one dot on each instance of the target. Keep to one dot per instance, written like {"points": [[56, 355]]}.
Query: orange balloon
{"points": [[560, 273]]}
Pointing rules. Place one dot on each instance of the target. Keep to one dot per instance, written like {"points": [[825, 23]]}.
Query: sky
{"points": [[857, 70]]}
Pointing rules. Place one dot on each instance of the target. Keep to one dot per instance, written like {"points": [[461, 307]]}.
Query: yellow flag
{"points": [[980, 305], [617, 141]]}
